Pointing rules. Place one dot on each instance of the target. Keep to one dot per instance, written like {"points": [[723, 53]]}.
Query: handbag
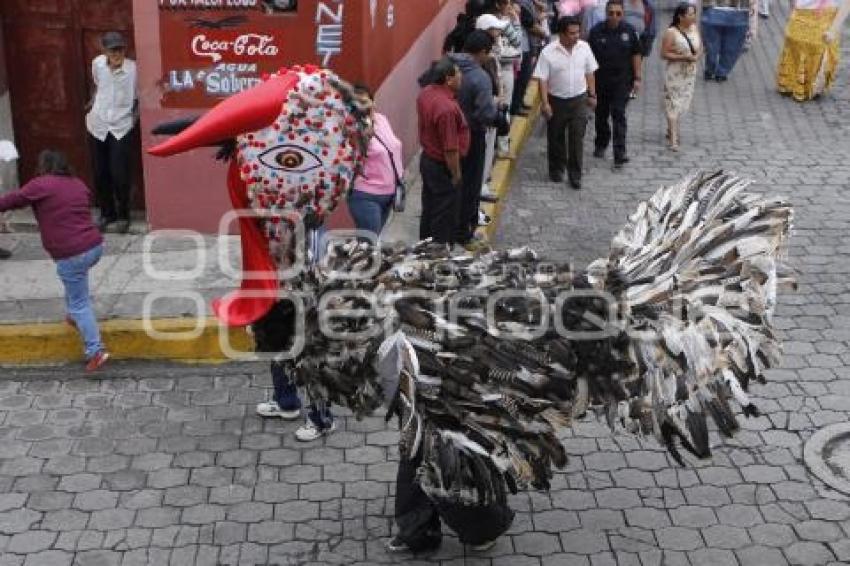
{"points": [[400, 187]]}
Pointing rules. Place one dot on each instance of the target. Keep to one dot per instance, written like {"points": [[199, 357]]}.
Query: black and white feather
{"points": [[485, 357]]}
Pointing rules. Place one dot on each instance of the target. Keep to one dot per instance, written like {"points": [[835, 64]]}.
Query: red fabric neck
{"points": [[259, 290]]}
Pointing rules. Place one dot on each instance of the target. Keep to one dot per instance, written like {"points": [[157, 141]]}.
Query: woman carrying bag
{"points": [[681, 48], [380, 187]]}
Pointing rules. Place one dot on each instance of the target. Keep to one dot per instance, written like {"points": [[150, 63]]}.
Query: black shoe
{"points": [[5, 254], [620, 161], [599, 152], [426, 544], [764, 16], [708, 76], [720, 79], [104, 222], [122, 226], [556, 177], [576, 184]]}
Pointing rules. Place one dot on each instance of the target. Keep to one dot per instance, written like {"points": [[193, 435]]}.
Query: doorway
{"points": [[49, 47]]}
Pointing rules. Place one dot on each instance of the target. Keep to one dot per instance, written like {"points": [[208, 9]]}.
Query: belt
{"points": [[582, 95]]}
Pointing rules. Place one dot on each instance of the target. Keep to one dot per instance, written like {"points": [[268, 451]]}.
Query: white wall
{"points": [[8, 171]]}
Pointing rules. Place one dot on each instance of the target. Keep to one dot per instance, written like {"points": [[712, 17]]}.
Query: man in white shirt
{"points": [[109, 122], [567, 88]]}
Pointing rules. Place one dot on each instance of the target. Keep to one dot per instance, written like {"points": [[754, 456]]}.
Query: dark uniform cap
{"points": [[113, 40]]}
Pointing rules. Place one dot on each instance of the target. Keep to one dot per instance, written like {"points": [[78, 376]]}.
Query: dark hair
{"points": [[53, 162], [478, 41], [680, 11], [362, 88], [614, 3], [439, 72], [566, 21]]}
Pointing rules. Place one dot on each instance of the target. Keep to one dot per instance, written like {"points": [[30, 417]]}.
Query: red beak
{"points": [[248, 111]]}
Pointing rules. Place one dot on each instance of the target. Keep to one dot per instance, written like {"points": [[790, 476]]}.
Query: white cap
{"points": [[489, 21]]}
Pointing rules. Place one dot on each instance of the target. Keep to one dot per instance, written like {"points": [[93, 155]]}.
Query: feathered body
{"points": [[493, 350]]}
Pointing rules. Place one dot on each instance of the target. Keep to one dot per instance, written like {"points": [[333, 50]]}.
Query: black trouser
{"points": [[613, 95], [526, 68], [440, 202], [419, 519], [472, 169], [416, 517], [112, 175], [568, 123]]}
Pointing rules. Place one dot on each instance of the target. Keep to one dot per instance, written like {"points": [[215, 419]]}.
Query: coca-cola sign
{"points": [[212, 49], [247, 45]]}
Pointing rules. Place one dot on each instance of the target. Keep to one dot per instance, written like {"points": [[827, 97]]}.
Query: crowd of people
{"points": [[587, 56]]}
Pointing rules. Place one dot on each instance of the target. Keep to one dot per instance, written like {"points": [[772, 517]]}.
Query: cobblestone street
{"points": [[161, 464]]}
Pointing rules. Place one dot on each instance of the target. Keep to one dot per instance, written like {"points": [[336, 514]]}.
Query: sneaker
{"points": [[484, 546], [96, 361], [5, 254], [309, 432], [272, 409], [484, 219]]}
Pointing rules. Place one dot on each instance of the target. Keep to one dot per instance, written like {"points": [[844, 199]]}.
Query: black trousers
{"points": [[526, 68], [440, 202], [112, 175], [472, 169], [565, 135], [416, 517], [613, 95], [419, 519]]}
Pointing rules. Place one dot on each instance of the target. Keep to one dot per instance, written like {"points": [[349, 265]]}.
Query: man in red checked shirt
{"points": [[444, 136]]}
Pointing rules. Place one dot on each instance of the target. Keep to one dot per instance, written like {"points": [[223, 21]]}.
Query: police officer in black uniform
{"points": [[617, 49]]}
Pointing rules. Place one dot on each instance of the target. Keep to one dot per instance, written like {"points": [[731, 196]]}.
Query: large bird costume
{"points": [[485, 357]]}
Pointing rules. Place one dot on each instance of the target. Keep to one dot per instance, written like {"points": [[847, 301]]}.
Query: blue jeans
{"points": [[286, 397], [723, 32], [74, 273], [370, 212]]}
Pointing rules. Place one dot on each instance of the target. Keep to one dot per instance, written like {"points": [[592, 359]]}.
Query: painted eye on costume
{"points": [[290, 158]]}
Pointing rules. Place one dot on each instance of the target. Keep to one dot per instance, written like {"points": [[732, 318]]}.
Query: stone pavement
{"points": [[162, 464]]}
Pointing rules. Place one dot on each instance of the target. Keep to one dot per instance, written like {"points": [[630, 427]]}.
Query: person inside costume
{"points": [[485, 358], [294, 145], [809, 59]]}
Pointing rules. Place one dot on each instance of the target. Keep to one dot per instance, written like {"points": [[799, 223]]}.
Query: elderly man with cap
{"points": [[111, 118], [501, 71]]}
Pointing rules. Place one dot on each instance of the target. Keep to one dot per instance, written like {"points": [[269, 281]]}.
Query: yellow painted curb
{"points": [[176, 339], [503, 169]]}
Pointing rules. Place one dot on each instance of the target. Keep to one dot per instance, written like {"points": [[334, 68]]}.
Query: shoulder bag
{"points": [[400, 187]]}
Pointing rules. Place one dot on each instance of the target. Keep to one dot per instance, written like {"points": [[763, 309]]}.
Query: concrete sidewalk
{"points": [[153, 290]]}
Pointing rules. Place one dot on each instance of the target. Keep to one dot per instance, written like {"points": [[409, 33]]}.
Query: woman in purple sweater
{"points": [[61, 204]]}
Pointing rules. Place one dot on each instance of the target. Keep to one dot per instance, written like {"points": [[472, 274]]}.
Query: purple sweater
{"points": [[61, 207]]}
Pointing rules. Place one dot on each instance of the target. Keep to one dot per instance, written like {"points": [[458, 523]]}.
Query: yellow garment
{"points": [[807, 64]]}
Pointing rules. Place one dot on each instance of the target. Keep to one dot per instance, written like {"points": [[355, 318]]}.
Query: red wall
{"points": [[4, 85], [188, 191]]}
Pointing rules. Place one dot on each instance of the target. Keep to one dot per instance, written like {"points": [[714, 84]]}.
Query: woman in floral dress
{"points": [[681, 48]]}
